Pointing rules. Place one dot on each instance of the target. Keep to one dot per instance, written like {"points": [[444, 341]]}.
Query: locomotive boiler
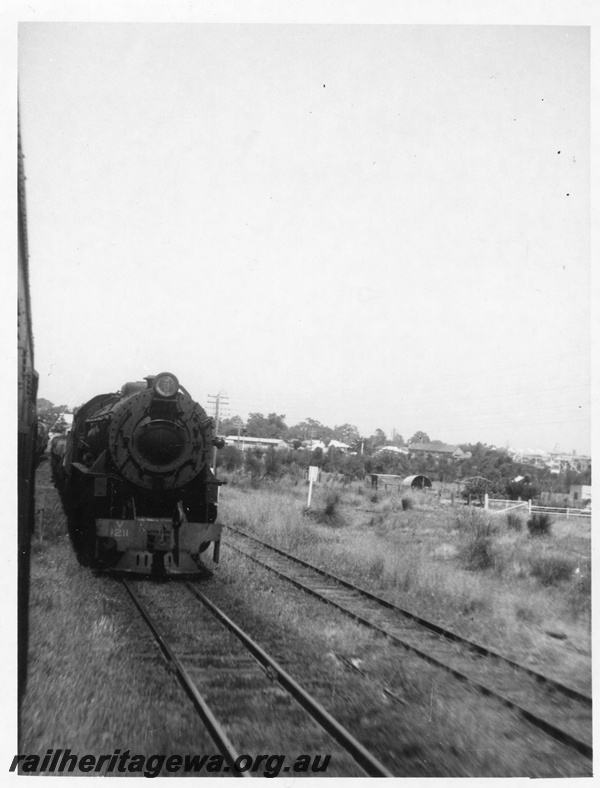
{"points": [[135, 481]]}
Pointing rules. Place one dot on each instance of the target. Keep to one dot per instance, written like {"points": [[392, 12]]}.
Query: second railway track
{"points": [[560, 711]]}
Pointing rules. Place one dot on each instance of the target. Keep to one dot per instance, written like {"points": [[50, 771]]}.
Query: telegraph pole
{"points": [[220, 402], [238, 424]]}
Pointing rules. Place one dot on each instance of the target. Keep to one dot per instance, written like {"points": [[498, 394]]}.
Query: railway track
{"points": [[195, 673], [560, 711]]}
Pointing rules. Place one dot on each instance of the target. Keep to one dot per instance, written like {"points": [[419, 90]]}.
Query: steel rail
{"points": [[485, 651], [368, 762], [552, 730], [218, 735]]}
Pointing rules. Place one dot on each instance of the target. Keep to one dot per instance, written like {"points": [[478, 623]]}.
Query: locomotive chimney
{"points": [[149, 380]]}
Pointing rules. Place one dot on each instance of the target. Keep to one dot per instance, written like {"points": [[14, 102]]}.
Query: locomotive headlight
{"points": [[166, 385]]}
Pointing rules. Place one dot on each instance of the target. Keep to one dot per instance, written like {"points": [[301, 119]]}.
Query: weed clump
{"points": [[539, 524], [476, 555], [514, 522], [329, 514], [552, 570], [475, 523], [407, 503], [331, 504]]}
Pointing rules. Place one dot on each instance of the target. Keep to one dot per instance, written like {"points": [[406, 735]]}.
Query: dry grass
{"points": [[96, 684], [473, 572]]}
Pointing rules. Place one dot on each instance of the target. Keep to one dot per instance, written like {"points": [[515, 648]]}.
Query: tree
{"points": [[254, 464], [419, 437], [346, 433], [230, 458], [378, 438], [358, 445], [229, 426], [476, 488], [525, 489], [52, 416], [310, 429], [271, 426], [317, 457], [352, 467], [273, 464]]}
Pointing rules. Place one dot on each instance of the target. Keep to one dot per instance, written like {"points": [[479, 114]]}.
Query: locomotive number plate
{"points": [[119, 531]]}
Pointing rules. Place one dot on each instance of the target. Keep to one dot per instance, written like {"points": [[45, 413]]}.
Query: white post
{"points": [[529, 505], [313, 476], [486, 501]]}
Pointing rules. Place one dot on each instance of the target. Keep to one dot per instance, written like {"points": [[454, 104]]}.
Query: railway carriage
{"points": [[30, 436]]}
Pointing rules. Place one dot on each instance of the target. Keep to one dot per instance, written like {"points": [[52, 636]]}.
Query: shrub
{"points": [[273, 464], [513, 521], [331, 504], [230, 458], [551, 570], [525, 489], [539, 524], [254, 465], [329, 513], [476, 554], [474, 522], [407, 503]]}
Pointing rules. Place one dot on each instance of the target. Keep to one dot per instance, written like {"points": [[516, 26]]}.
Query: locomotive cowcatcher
{"points": [[135, 481]]}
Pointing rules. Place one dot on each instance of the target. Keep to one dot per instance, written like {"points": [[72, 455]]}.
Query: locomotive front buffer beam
{"points": [[143, 540]]}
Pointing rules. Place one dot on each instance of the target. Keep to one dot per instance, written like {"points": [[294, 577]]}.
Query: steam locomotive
{"points": [[134, 479]]}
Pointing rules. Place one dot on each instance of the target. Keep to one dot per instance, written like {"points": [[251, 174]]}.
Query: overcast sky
{"points": [[387, 225]]}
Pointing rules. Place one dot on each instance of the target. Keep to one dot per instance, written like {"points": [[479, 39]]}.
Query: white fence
{"points": [[507, 506]]}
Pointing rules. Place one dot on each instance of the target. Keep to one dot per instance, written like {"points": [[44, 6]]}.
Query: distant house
{"points": [[244, 442], [580, 492], [338, 445], [557, 462], [392, 450], [313, 444], [538, 458], [574, 462], [437, 450]]}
